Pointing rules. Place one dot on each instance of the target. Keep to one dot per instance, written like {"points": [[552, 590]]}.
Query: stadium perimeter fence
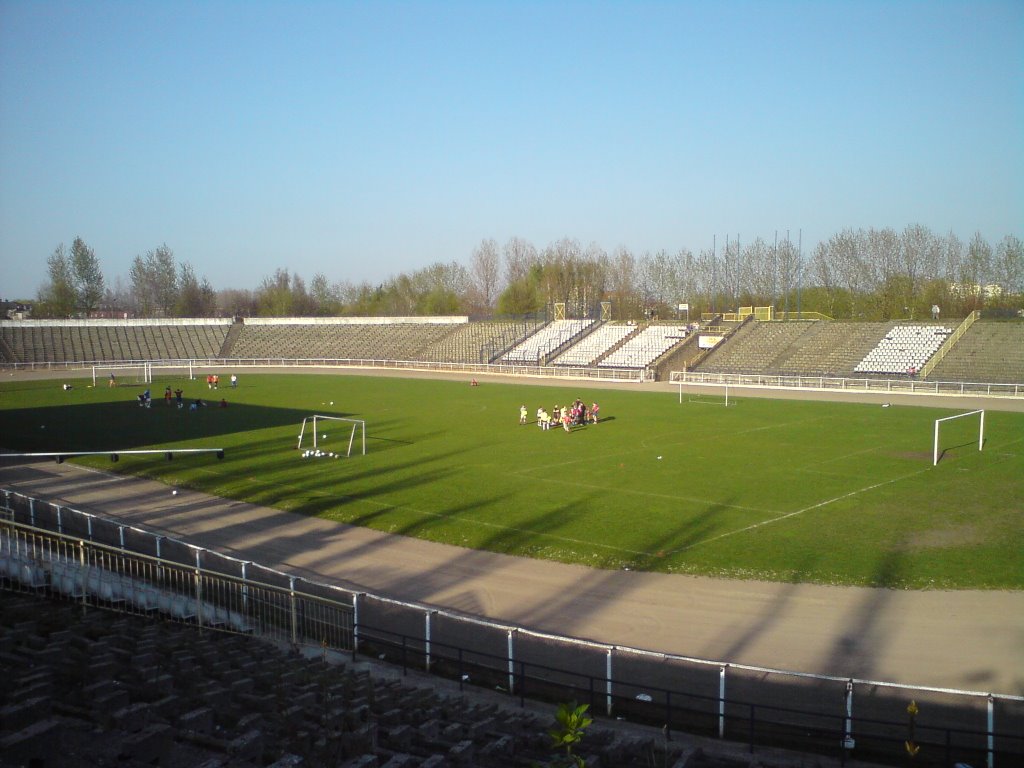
{"points": [[882, 386], [902, 385], [61, 552]]}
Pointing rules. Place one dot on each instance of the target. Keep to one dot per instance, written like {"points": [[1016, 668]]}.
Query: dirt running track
{"points": [[971, 640]]}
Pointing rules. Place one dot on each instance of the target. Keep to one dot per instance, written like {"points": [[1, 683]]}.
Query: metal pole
{"points": [[199, 589], [848, 726], [426, 645], [511, 663], [721, 702], [991, 757], [800, 267], [608, 675], [245, 587], [295, 614], [355, 624]]}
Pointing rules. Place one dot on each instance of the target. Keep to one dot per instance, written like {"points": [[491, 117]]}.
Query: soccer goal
{"points": [[938, 432], [705, 392], [346, 428], [126, 373]]}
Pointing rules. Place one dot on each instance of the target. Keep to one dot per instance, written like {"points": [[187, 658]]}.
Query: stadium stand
{"points": [[57, 341], [645, 347], [595, 344], [480, 342], [991, 351], [753, 347], [547, 341], [368, 339], [828, 348], [904, 349]]}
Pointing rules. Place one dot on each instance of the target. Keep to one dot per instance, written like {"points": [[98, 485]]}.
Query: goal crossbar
{"points": [[938, 422], [143, 371], [707, 385], [358, 425]]}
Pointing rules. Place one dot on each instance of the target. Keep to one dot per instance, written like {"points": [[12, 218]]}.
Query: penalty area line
{"points": [[788, 515]]}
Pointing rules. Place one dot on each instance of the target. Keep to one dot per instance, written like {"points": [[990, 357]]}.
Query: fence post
{"points": [[511, 664], [32, 511], [120, 533], [848, 742], [991, 756], [85, 574], [721, 701], [245, 588], [608, 678], [199, 590], [295, 614], [60, 525], [355, 624], [426, 644]]}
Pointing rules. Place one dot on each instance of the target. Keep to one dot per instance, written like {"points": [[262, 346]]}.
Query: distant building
{"points": [[15, 310]]}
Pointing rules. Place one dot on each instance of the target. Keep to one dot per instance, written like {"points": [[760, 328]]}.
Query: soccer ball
{"points": [[174, 492]]}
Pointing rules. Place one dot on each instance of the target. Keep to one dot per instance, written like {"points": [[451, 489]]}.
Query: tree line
{"points": [[868, 274]]}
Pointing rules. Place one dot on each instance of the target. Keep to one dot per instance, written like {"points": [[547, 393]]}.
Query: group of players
{"points": [[568, 416]]}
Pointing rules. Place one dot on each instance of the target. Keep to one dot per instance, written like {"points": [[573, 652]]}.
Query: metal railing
{"points": [[46, 547], [947, 345], [471, 369], [833, 383]]}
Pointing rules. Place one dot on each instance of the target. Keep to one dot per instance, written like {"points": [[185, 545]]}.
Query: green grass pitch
{"points": [[765, 489]]}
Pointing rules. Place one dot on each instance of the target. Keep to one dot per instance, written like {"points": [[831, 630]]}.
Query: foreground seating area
{"points": [[100, 688]]}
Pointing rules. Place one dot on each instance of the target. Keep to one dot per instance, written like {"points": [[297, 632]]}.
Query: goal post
{"points": [[938, 423], [133, 373], [718, 394], [315, 422]]}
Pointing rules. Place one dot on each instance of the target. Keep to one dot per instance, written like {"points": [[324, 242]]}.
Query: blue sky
{"points": [[366, 139]]}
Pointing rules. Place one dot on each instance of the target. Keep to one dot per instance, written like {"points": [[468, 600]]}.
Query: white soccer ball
{"points": [[174, 492], [659, 458], [332, 402], [323, 437]]}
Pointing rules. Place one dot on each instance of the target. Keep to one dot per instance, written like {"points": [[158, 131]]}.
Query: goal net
{"points": [[113, 375], [335, 433], [951, 432], [704, 392]]}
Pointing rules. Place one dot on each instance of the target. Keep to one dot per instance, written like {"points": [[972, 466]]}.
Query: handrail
{"points": [[947, 345]]}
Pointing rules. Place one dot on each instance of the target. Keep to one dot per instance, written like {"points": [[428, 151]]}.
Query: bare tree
{"points": [[57, 296], [485, 272], [87, 277], [520, 258], [1008, 267], [977, 268], [155, 282]]}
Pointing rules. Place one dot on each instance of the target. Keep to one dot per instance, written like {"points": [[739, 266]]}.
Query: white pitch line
{"points": [[799, 511]]}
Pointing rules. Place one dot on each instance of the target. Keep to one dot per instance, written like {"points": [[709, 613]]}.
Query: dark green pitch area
{"points": [[765, 489]]}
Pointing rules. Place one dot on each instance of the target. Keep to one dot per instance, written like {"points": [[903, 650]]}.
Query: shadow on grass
{"points": [[126, 425]]}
